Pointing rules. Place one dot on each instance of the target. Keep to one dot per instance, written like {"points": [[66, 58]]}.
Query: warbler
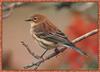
{"points": [[48, 35]]}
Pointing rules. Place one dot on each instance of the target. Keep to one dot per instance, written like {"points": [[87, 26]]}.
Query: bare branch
{"points": [[28, 49], [37, 64], [9, 8], [85, 36]]}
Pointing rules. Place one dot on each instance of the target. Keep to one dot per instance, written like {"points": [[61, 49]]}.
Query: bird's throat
{"points": [[33, 24]]}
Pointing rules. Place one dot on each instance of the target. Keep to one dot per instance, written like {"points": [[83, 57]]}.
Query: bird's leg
{"points": [[56, 50], [43, 53], [41, 57]]}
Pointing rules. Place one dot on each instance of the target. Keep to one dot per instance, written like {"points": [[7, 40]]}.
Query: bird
{"points": [[48, 35]]}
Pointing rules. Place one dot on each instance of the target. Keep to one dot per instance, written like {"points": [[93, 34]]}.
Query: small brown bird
{"points": [[48, 35]]}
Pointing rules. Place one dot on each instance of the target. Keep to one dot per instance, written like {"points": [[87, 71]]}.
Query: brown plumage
{"points": [[48, 35]]}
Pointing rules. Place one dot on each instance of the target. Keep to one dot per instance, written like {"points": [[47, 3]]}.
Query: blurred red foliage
{"points": [[79, 27]]}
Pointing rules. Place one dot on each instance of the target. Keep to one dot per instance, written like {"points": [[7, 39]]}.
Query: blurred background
{"points": [[73, 18]]}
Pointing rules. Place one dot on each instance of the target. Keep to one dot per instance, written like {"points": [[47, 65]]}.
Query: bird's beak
{"points": [[28, 20]]}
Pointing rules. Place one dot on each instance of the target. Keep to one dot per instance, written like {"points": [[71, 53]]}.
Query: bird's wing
{"points": [[57, 37]]}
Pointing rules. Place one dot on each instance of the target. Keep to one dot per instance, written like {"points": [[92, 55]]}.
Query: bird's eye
{"points": [[35, 18]]}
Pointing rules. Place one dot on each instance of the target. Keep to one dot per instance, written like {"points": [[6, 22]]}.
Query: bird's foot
{"points": [[56, 51]]}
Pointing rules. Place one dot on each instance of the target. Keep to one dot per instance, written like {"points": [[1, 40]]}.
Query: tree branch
{"points": [[10, 7], [85, 36], [37, 64], [28, 49]]}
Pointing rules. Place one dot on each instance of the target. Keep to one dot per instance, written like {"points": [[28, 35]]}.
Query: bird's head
{"points": [[36, 19]]}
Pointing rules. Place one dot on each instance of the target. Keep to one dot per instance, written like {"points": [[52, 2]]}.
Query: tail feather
{"points": [[78, 50]]}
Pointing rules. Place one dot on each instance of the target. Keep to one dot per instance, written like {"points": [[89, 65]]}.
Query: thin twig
{"points": [[10, 9], [85, 36], [37, 64], [28, 49]]}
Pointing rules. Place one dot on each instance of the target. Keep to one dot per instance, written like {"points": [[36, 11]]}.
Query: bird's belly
{"points": [[47, 46], [44, 43]]}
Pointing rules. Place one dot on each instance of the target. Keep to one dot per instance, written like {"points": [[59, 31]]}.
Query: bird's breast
{"points": [[43, 42]]}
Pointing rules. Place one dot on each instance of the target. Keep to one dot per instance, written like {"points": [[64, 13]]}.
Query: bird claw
{"points": [[56, 50]]}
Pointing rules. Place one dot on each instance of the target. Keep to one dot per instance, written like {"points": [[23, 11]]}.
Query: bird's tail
{"points": [[78, 50]]}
